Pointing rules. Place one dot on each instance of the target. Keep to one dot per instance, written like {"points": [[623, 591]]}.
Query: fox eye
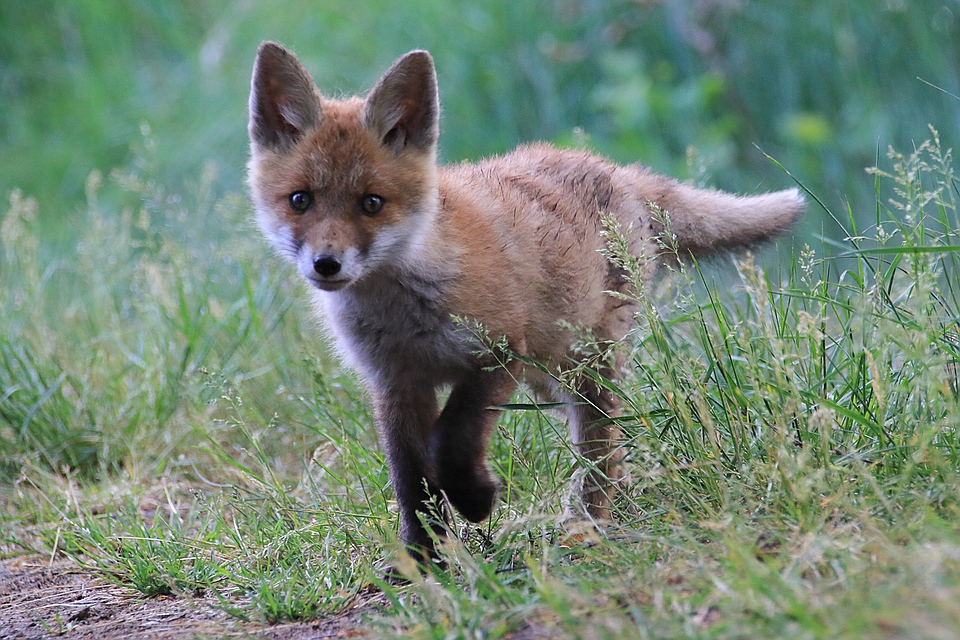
{"points": [[371, 204], [300, 201]]}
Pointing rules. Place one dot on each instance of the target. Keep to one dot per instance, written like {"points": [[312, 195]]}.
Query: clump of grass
{"points": [[114, 343], [177, 554], [39, 413]]}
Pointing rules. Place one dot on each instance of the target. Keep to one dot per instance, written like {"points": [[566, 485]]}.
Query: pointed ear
{"points": [[404, 108], [283, 100]]}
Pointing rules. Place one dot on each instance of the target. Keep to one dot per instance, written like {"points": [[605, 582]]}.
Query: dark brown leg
{"points": [[404, 420], [459, 441]]}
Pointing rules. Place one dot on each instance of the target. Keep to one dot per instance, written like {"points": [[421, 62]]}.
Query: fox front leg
{"points": [[459, 442], [404, 419]]}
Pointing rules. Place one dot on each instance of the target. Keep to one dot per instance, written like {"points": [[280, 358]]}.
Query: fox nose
{"points": [[326, 265]]}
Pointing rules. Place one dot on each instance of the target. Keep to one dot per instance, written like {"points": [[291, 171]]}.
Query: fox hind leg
{"points": [[593, 429]]}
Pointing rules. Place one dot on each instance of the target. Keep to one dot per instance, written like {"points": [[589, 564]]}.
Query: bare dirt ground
{"points": [[59, 600]]}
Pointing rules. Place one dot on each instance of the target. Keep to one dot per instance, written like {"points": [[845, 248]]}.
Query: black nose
{"points": [[327, 266]]}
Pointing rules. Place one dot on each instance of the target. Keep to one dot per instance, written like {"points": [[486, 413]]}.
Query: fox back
{"points": [[396, 249]]}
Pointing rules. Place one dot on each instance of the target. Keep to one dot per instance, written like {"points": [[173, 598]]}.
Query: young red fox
{"points": [[396, 248]]}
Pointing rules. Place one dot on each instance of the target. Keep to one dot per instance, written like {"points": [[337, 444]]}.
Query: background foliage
{"points": [[821, 86]]}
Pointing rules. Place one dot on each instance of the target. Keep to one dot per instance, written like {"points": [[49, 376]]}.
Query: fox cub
{"points": [[396, 248]]}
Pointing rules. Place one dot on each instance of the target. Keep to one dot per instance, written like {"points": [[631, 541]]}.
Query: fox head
{"points": [[343, 187]]}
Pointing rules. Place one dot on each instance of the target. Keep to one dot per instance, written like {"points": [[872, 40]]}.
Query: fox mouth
{"points": [[328, 284]]}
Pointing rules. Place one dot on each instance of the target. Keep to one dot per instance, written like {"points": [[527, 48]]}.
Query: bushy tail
{"points": [[705, 221]]}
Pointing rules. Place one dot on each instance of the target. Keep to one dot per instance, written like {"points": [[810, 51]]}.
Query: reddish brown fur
{"points": [[513, 243]]}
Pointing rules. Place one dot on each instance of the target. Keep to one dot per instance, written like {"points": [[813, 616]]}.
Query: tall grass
{"points": [[170, 419]]}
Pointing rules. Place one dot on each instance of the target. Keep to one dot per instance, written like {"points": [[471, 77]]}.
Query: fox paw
{"points": [[471, 494]]}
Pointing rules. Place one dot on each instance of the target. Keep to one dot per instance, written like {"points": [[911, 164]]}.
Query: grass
{"points": [[171, 419]]}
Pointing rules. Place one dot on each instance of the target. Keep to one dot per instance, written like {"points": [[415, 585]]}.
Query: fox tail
{"points": [[705, 221]]}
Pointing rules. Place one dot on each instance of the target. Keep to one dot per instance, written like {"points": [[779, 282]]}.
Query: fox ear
{"points": [[404, 107], [284, 103]]}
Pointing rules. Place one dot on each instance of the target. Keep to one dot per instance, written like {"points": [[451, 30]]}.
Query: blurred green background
{"points": [[693, 88]]}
